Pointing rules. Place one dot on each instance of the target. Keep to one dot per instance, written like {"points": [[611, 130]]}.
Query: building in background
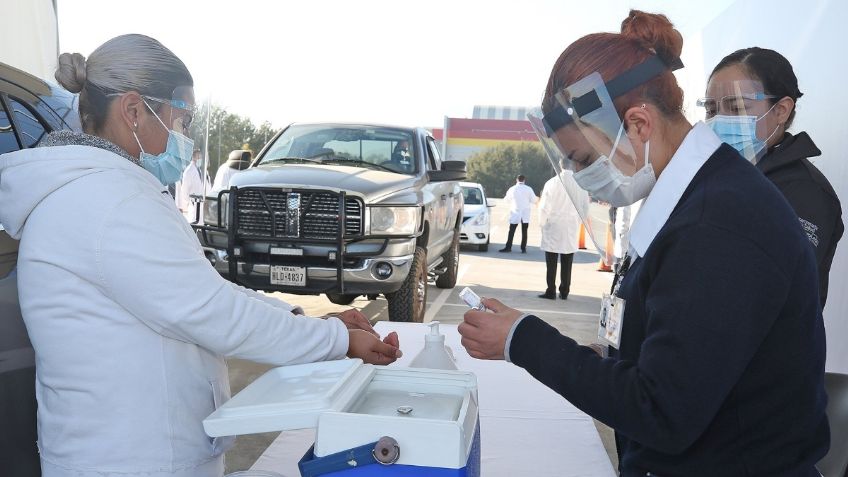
{"points": [[489, 127]]}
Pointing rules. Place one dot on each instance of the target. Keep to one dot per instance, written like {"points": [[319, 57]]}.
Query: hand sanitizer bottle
{"points": [[435, 354]]}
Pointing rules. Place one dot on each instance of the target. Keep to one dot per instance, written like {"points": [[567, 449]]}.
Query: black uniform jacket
{"points": [[810, 195]]}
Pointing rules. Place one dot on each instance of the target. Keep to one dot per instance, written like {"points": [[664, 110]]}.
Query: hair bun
{"points": [[71, 72], [653, 31]]}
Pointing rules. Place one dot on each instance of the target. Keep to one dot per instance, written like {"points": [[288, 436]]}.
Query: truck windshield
{"points": [[374, 147]]}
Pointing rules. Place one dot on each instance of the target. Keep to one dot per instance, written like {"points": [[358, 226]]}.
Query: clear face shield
{"points": [[585, 141], [737, 111], [199, 132]]}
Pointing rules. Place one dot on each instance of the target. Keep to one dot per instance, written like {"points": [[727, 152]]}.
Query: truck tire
{"points": [[340, 299], [451, 263], [410, 302]]}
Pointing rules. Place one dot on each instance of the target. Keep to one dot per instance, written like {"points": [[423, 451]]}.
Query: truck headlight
{"points": [[395, 220], [480, 219], [210, 211]]}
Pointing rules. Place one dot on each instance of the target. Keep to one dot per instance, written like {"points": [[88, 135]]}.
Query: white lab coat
{"points": [[189, 185], [223, 176], [521, 199], [129, 321], [559, 218]]}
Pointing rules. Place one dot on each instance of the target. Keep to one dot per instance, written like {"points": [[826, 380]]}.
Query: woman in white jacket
{"points": [[129, 322], [560, 223]]}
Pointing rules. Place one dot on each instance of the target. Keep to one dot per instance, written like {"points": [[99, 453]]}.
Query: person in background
{"points": [[238, 160], [401, 160], [129, 321], [520, 198], [190, 185], [560, 225], [715, 332], [750, 104]]}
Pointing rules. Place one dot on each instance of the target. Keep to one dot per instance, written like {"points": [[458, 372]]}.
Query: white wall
{"points": [[29, 37], [812, 35]]}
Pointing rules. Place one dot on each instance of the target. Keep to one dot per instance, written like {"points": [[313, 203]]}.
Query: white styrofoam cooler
{"points": [[433, 414]]}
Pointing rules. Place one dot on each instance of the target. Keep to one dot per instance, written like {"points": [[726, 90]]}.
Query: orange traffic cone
{"points": [[581, 237], [605, 263]]}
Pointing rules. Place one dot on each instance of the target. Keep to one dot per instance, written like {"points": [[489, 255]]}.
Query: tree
{"points": [[496, 168], [227, 132]]}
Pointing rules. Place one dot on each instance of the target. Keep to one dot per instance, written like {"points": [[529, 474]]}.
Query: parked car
{"points": [[341, 209], [29, 109], [476, 220]]}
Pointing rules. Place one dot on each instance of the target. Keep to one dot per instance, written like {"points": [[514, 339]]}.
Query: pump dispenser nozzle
{"points": [[435, 354]]}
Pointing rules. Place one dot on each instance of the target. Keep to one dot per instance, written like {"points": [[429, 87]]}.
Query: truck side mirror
{"points": [[489, 203], [451, 171]]}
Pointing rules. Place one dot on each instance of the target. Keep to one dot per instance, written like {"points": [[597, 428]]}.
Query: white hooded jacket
{"points": [[129, 321], [558, 217]]}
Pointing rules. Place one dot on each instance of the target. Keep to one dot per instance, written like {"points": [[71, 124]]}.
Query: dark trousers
{"points": [[509, 237], [564, 273]]}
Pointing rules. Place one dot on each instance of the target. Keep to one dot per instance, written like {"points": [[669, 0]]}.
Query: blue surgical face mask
{"points": [[168, 166], [740, 132]]}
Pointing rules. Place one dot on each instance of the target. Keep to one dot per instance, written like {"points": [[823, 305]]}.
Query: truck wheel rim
{"points": [[420, 295]]}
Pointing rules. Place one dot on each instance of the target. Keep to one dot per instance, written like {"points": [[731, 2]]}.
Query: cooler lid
{"points": [[290, 397]]}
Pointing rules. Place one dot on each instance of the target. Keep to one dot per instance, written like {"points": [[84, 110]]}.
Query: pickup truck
{"points": [[344, 210]]}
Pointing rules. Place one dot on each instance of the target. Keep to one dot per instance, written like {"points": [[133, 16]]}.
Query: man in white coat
{"points": [[238, 160], [192, 184], [560, 224], [521, 199]]}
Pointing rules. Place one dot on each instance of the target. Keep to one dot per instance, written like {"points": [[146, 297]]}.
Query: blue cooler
{"points": [[369, 420]]}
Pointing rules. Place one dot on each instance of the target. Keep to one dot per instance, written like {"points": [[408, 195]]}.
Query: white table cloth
{"points": [[525, 428]]}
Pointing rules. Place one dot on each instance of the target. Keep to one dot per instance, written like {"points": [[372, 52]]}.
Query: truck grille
{"points": [[273, 213]]}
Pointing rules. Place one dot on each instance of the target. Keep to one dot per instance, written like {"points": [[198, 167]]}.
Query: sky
{"points": [[393, 62]]}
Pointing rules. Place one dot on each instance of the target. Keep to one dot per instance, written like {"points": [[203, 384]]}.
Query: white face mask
{"points": [[604, 182]]}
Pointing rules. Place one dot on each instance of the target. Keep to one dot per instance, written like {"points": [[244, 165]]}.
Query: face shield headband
{"points": [[589, 102]]}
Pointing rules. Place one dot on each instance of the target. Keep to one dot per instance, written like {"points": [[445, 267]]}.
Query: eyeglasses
{"points": [[185, 111], [732, 105]]}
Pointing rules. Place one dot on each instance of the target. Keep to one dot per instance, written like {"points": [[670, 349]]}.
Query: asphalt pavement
{"points": [[514, 278]]}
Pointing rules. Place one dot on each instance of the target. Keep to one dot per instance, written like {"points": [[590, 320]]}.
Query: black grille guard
{"points": [[233, 238]]}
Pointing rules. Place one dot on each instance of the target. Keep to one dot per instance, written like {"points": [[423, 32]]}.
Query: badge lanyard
{"points": [[611, 317]]}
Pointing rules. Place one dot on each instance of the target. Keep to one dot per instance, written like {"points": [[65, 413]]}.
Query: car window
{"points": [[8, 142], [381, 148], [30, 127], [472, 196], [435, 157]]}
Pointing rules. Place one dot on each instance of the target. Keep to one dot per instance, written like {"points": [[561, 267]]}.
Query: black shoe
{"points": [[564, 297], [505, 250], [523, 250], [548, 295]]}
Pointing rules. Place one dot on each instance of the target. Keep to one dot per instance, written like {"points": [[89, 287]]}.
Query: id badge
{"points": [[611, 320]]}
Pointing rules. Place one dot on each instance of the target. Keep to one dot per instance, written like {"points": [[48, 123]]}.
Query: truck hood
{"points": [[372, 185]]}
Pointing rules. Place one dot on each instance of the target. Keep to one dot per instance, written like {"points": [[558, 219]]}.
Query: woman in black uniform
{"points": [[750, 104], [717, 349]]}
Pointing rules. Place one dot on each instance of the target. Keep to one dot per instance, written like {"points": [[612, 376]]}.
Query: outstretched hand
{"points": [[355, 320], [369, 348], [484, 333]]}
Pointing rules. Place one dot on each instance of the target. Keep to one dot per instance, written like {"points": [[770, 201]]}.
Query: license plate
{"points": [[289, 276]]}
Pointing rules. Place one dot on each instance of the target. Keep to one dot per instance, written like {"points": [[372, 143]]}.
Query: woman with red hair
{"points": [[716, 350]]}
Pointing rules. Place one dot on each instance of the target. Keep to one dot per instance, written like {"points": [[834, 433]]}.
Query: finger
{"points": [[494, 305], [392, 339], [476, 318], [470, 344], [381, 359], [466, 330], [384, 348]]}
